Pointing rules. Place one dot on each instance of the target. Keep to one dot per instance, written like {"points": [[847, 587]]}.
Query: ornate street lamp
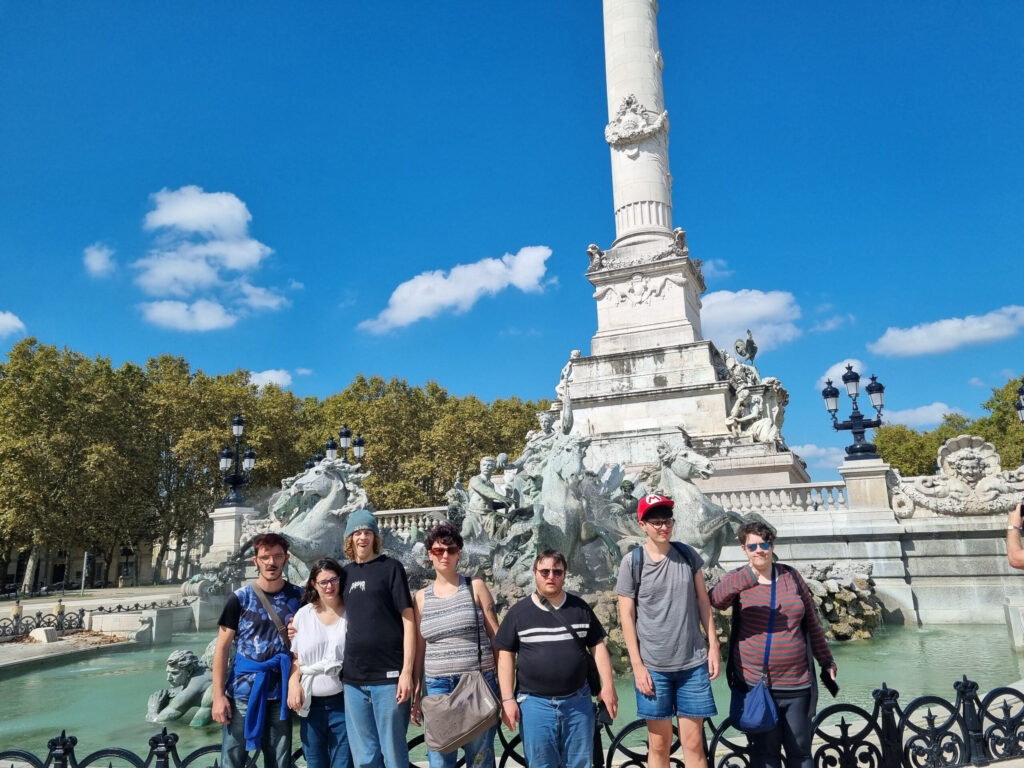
{"points": [[358, 445], [243, 464], [861, 448]]}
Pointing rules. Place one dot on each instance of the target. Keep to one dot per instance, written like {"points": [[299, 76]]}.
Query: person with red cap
{"points": [[663, 601]]}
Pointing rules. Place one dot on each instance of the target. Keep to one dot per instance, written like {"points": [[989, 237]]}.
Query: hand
{"points": [[714, 661], [832, 671], [221, 710], [404, 687], [416, 714], [1015, 516], [292, 631], [510, 714], [610, 699], [295, 697], [642, 677]]}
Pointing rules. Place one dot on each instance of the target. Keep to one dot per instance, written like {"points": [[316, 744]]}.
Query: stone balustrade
{"points": [[401, 520], [801, 497]]}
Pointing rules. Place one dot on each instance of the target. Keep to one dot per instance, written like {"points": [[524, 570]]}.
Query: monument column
{"points": [[637, 130]]}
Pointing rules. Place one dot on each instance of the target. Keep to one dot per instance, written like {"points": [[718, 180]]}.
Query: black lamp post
{"points": [[243, 464], [861, 448], [358, 445]]}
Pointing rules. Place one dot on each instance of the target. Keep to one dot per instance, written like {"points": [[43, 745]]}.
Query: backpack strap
{"points": [[274, 616]]}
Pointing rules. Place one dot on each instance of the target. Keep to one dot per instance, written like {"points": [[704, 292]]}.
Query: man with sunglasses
{"points": [[663, 601], [542, 670]]}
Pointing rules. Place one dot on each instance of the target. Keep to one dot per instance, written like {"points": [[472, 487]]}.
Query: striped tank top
{"points": [[448, 625]]}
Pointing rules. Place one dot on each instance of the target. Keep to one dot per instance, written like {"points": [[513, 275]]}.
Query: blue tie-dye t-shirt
{"points": [[256, 637]]}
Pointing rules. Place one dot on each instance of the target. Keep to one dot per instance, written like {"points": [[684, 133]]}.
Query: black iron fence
{"points": [[931, 732], [70, 621]]}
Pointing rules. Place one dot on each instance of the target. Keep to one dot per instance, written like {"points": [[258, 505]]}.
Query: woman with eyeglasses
{"points": [[796, 639], [456, 618], [315, 690]]}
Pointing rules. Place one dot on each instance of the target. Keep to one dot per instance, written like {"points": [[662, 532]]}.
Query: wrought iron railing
{"points": [[931, 732], [62, 621]]}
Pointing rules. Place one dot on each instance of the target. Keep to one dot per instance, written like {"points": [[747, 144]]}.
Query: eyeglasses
{"points": [[329, 582], [661, 522], [556, 572], [451, 549], [765, 545]]}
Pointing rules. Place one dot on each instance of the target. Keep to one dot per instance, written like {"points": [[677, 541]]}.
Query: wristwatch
{"points": [[1014, 528]]}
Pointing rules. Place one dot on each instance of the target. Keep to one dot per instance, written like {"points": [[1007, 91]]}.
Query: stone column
{"points": [[866, 487], [637, 130], [227, 530]]}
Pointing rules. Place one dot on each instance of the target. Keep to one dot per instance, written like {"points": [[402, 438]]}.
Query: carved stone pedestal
{"points": [[865, 483], [227, 530]]}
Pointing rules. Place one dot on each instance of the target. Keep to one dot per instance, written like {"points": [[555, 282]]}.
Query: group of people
{"points": [[354, 652]]}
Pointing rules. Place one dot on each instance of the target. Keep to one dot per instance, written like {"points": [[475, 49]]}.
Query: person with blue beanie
{"points": [[380, 648]]}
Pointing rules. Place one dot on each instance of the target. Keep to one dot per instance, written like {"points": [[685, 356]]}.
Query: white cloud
{"points": [[820, 457], [832, 323], [716, 269], [277, 376], [200, 315], [303, 371], [256, 297], [974, 381], [770, 315], [922, 416], [192, 210], [951, 333], [295, 285], [202, 253], [98, 260], [429, 294], [835, 373], [10, 323]]}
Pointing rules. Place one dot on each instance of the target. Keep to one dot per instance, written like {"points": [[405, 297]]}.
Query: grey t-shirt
{"points": [[667, 615]]}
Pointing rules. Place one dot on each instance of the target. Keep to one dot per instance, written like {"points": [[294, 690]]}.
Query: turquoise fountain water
{"points": [[102, 700]]}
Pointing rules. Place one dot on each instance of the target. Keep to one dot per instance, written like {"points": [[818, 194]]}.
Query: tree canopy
{"points": [[103, 457], [914, 452]]}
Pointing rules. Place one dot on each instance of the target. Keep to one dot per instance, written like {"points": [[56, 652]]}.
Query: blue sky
{"points": [[249, 185]]}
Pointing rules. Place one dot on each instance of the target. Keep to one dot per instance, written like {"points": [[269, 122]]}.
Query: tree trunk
{"points": [[158, 564], [109, 558], [177, 558], [30, 569], [5, 563]]}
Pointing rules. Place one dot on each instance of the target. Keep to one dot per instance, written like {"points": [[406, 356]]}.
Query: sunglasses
{"points": [[661, 522], [556, 572], [329, 583], [765, 545], [451, 549]]}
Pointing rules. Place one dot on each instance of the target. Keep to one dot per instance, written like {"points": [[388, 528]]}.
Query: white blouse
{"points": [[315, 642]]}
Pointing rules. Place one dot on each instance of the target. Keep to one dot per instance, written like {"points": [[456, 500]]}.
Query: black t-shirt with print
{"points": [[376, 593]]}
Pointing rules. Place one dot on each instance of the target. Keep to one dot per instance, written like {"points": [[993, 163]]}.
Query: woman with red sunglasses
{"points": [[796, 639], [457, 617]]}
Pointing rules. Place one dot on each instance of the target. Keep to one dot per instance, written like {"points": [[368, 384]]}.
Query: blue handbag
{"points": [[754, 711]]}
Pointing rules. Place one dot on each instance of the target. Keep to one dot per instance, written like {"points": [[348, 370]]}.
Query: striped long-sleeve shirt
{"points": [[787, 664]]}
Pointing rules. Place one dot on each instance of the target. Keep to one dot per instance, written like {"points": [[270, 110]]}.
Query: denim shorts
{"points": [[684, 693]]}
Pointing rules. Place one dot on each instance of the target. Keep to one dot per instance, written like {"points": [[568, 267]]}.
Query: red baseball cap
{"points": [[653, 501]]}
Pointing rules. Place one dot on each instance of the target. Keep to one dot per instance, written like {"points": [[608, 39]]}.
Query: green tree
{"points": [[914, 452]]}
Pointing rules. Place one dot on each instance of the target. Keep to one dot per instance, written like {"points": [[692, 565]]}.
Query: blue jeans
{"points": [[376, 726], [276, 744], [480, 751], [324, 740], [557, 732]]}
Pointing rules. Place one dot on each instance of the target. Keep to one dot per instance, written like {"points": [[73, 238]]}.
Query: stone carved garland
{"points": [[969, 482], [640, 289], [633, 123]]}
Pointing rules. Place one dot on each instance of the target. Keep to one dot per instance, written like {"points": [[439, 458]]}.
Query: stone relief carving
{"points": [[969, 482], [639, 290], [759, 411], [633, 123]]}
